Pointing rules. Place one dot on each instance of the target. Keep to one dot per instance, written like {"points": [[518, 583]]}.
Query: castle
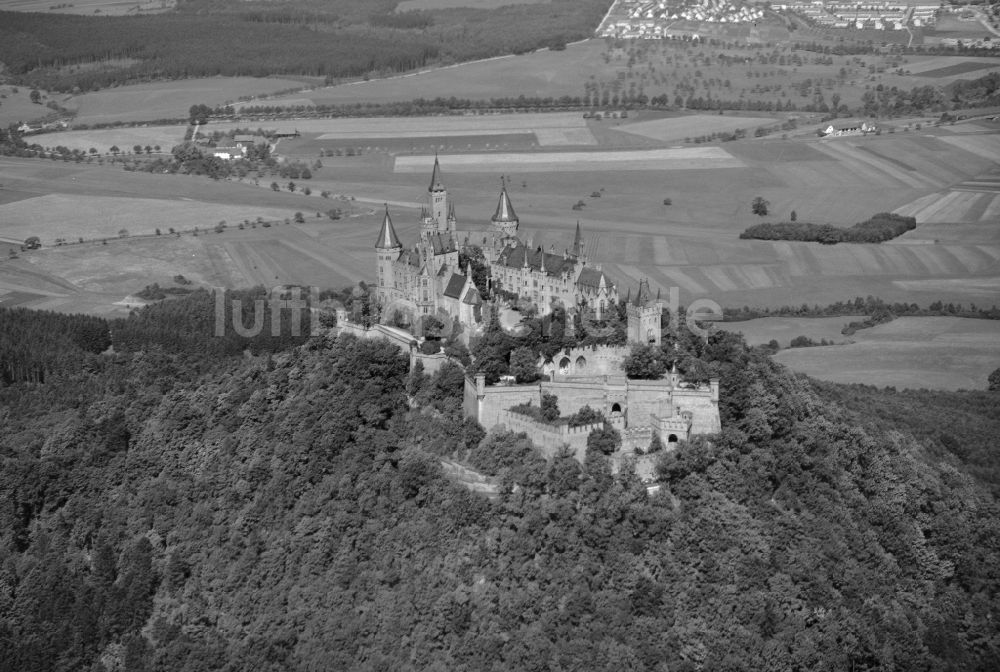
{"points": [[426, 279], [594, 377]]}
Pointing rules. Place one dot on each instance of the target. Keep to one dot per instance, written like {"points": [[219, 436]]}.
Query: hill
{"points": [[174, 508]]}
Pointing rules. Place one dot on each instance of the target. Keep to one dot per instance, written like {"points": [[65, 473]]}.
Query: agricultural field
{"points": [[943, 353], [783, 329], [16, 106], [170, 99], [690, 158], [124, 138], [414, 5], [596, 70], [678, 129], [550, 130], [90, 7]]}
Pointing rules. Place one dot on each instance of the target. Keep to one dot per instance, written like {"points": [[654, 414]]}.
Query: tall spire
{"points": [[578, 241], [505, 211], [387, 238], [436, 184], [643, 296]]}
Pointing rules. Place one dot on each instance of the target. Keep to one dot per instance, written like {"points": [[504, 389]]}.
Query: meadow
{"points": [[125, 138], [90, 7], [169, 99], [16, 106], [939, 353], [783, 329]]}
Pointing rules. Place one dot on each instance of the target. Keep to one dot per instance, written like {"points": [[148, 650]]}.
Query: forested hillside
{"points": [[183, 510], [333, 39]]}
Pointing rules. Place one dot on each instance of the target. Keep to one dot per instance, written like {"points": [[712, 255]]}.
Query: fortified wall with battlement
{"points": [[676, 410], [550, 439]]}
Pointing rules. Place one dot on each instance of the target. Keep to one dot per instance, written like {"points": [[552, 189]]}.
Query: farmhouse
{"points": [[860, 129]]}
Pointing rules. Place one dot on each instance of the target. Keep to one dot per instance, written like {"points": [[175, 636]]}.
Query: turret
{"points": [[505, 219], [644, 314], [387, 249]]}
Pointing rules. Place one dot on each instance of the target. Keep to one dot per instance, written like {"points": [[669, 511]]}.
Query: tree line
{"points": [[877, 229]]}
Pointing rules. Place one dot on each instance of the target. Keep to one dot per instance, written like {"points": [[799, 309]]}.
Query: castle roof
{"points": [[455, 286], [593, 279], [441, 244], [505, 211], [520, 256], [644, 296], [436, 184], [387, 238], [472, 297]]}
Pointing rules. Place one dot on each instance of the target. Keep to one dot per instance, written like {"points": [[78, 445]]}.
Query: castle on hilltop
{"points": [[426, 278]]}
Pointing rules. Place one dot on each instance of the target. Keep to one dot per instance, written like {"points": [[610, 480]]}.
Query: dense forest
{"points": [[343, 38], [181, 508]]}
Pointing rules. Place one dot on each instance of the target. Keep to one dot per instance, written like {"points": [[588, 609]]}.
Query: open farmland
{"points": [[530, 162], [691, 244], [90, 7], [677, 129], [944, 353], [783, 329], [17, 107], [413, 5], [95, 217], [124, 138], [568, 128], [168, 100]]}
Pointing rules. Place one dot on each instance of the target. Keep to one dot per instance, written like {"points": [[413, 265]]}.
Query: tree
{"points": [[994, 381], [275, 187], [137, 149], [794, 216], [36, 96], [550, 407], [645, 361], [300, 218], [114, 150], [523, 365], [760, 206], [291, 186], [606, 440]]}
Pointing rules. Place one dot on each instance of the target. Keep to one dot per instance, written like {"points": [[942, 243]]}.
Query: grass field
{"points": [[692, 244], [911, 352], [784, 329], [413, 5], [676, 129], [958, 69], [689, 158], [90, 7], [123, 138], [168, 100], [17, 107]]}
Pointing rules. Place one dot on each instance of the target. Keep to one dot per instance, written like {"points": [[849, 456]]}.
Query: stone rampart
{"points": [[550, 439]]}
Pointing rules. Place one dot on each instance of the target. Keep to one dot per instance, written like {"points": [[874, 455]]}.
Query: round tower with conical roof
{"points": [[387, 249], [504, 220]]}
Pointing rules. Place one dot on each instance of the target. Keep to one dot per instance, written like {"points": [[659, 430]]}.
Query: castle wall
{"points": [[596, 360], [550, 439], [575, 394], [704, 410], [488, 403]]}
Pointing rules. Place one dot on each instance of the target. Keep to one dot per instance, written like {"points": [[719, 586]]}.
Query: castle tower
{"points": [[644, 316], [387, 249], [505, 220], [436, 219]]}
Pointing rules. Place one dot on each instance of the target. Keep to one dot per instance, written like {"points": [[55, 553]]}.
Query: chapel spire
{"points": [[505, 219]]}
